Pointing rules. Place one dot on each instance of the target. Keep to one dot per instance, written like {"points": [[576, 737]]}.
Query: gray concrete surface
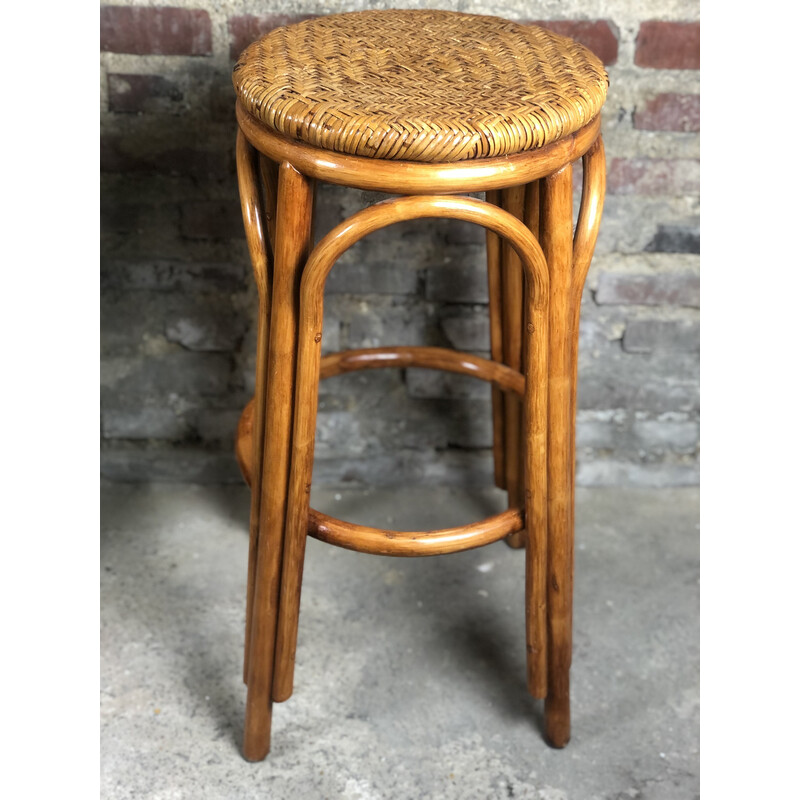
{"points": [[410, 672]]}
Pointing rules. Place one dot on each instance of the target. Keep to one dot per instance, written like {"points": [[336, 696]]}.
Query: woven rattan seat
{"points": [[420, 85]]}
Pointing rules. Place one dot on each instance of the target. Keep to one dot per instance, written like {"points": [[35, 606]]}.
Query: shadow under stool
{"points": [[427, 105]]}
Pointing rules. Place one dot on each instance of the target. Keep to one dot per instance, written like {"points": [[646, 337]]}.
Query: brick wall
{"points": [[178, 303]]}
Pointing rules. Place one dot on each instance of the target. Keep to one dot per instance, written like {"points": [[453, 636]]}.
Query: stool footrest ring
{"points": [[500, 375], [413, 543], [441, 358], [402, 543], [383, 542]]}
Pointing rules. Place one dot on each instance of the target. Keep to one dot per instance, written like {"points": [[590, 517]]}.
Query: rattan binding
{"points": [[420, 85]]}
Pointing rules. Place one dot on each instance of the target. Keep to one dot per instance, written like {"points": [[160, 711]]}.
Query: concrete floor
{"points": [[410, 675]]}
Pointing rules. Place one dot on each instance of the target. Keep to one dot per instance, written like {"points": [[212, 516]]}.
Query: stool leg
{"points": [[495, 280], [309, 349], [292, 241], [535, 349], [257, 216], [513, 201], [269, 180], [568, 264], [556, 240]]}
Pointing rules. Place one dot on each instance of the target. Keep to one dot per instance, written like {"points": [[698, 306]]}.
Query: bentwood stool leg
{"points": [[534, 485], [513, 201], [534, 300], [494, 267], [556, 240], [293, 237], [533, 471], [309, 349], [568, 263], [258, 214]]}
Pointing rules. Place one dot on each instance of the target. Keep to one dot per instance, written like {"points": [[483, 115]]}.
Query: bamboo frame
{"points": [[376, 541], [311, 311], [502, 378], [569, 260], [269, 180], [260, 257], [417, 178], [494, 273], [513, 201], [292, 242], [554, 273], [556, 208]]}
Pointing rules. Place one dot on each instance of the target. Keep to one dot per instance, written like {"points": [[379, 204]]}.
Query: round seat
{"points": [[420, 85]]}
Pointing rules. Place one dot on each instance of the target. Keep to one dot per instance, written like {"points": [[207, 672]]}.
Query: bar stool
{"points": [[428, 105]]}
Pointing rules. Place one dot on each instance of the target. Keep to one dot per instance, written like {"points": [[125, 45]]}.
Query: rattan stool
{"points": [[427, 105]]}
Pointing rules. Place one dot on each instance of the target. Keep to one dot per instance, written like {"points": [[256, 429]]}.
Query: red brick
{"points": [[669, 112], [668, 45], [596, 35], [246, 28], [155, 31], [137, 93], [653, 176]]}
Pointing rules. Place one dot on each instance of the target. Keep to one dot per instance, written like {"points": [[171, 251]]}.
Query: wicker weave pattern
{"points": [[420, 85]]}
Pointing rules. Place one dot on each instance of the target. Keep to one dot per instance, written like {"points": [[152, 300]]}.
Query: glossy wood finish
{"points": [[416, 178], [495, 292], [499, 375], [535, 540], [440, 358], [292, 242], [591, 209], [542, 327], [413, 543], [244, 449], [319, 264], [513, 201], [385, 542], [568, 261], [260, 253], [556, 236], [269, 179]]}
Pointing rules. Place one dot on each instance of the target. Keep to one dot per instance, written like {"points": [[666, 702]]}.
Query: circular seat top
{"points": [[420, 85]]}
